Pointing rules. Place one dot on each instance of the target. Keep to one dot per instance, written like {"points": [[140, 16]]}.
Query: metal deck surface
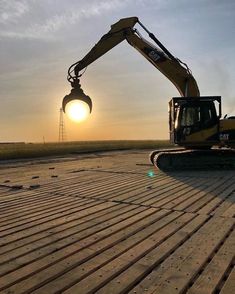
{"points": [[111, 223]]}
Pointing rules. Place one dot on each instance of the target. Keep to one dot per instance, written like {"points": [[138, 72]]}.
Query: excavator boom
{"points": [[176, 71]]}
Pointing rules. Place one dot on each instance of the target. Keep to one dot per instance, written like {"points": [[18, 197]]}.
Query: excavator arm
{"points": [[175, 70]]}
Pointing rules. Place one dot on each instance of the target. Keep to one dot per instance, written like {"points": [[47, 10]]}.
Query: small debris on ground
{"points": [[78, 170], [34, 186], [16, 187]]}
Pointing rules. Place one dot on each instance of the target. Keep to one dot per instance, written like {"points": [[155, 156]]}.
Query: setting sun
{"points": [[77, 110]]}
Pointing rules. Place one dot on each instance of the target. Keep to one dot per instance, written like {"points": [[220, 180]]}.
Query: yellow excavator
{"points": [[205, 140]]}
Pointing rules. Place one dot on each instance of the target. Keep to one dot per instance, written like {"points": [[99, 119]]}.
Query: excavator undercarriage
{"points": [[183, 159]]}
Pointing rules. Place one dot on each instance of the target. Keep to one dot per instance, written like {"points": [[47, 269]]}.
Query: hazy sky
{"points": [[39, 39]]}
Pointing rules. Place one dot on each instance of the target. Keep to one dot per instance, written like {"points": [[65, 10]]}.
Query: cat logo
{"points": [[224, 137], [154, 55]]}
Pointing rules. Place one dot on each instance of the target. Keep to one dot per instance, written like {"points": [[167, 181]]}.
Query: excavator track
{"points": [[155, 152], [214, 159]]}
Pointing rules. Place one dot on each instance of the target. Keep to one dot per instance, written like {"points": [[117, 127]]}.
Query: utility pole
{"points": [[62, 135]]}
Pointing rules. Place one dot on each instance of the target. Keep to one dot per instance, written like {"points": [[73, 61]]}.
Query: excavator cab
{"points": [[191, 120]]}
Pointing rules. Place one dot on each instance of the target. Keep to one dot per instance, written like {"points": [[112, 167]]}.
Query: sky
{"points": [[40, 39]]}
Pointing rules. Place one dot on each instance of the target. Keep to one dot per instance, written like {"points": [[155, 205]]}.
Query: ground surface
{"points": [[105, 223]]}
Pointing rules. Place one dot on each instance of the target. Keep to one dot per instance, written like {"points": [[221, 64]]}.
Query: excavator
{"points": [[204, 139]]}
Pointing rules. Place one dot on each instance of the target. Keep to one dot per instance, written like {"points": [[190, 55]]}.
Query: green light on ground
{"points": [[151, 174]]}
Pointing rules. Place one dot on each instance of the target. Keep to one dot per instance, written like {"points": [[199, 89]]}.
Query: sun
{"points": [[77, 110]]}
